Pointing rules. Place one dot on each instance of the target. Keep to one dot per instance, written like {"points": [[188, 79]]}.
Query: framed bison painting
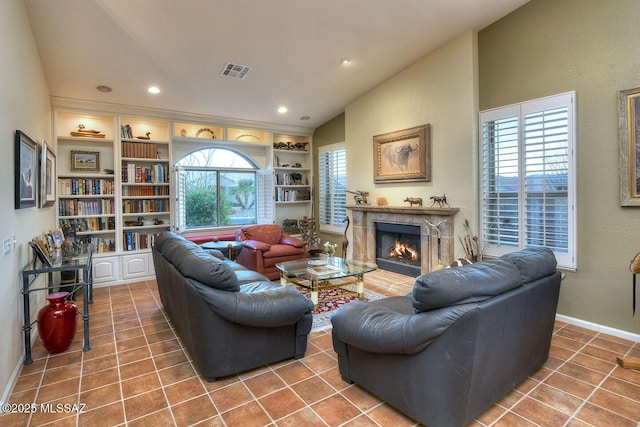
{"points": [[403, 156]]}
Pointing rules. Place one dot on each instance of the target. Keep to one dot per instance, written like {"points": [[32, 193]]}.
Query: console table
{"points": [[78, 262]]}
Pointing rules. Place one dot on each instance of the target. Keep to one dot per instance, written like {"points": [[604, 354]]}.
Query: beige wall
{"points": [[440, 89], [24, 105], [589, 46]]}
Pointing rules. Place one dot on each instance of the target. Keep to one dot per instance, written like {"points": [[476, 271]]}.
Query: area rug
{"points": [[335, 298]]}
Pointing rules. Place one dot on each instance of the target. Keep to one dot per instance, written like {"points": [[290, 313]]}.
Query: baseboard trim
{"points": [[599, 328]]}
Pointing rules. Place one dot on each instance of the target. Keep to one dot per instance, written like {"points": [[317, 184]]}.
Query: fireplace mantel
{"points": [[405, 210], [364, 218]]}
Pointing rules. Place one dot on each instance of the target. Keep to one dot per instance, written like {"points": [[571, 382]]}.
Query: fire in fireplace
{"points": [[398, 248], [402, 251]]}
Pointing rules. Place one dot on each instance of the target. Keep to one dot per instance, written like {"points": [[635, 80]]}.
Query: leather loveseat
{"points": [[459, 342], [265, 245], [229, 319]]}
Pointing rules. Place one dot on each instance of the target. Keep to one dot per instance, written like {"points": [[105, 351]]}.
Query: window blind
{"points": [[528, 183], [332, 195]]}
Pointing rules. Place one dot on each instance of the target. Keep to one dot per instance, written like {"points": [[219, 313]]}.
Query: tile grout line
{"points": [[199, 377]]}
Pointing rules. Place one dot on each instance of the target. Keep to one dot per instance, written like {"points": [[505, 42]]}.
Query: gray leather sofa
{"points": [[229, 319], [458, 343]]}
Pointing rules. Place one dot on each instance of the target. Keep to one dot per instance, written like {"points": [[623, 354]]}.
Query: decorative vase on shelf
{"points": [[57, 322]]}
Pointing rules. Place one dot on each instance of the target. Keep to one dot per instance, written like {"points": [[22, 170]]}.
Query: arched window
{"points": [[216, 188]]}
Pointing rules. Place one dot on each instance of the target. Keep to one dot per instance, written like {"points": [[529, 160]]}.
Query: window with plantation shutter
{"points": [[178, 208], [332, 195], [528, 177]]}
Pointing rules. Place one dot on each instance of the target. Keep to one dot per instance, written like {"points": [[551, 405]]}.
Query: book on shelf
{"points": [[292, 195], [79, 207], [85, 186], [140, 150], [144, 173], [134, 240], [145, 206]]}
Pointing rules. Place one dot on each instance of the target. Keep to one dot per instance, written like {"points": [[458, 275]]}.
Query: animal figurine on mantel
{"points": [[440, 200], [414, 200], [360, 197]]}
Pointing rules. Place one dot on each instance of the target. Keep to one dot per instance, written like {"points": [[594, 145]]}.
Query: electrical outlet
{"points": [[6, 246]]}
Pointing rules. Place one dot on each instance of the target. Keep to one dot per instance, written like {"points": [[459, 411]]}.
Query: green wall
{"points": [[330, 132], [590, 46]]}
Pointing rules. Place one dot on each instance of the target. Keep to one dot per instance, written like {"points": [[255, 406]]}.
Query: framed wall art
{"points": [[26, 171], [47, 176], [629, 163], [85, 161], [403, 156]]}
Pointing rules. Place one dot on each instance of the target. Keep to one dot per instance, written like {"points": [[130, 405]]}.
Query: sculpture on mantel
{"points": [[360, 197], [414, 200], [440, 200]]}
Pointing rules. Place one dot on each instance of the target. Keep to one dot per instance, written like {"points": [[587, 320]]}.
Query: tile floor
{"points": [[138, 374]]}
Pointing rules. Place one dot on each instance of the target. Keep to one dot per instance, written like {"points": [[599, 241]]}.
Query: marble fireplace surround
{"points": [[364, 218]]}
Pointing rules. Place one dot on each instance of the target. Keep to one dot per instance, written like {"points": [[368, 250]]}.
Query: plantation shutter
{"points": [[500, 179], [332, 172], [265, 196], [528, 183], [179, 209], [547, 202]]}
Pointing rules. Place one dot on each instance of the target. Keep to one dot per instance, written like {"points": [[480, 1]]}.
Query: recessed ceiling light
{"points": [[305, 118], [103, 88], [153, 89], [344, 61], [282, 110]]}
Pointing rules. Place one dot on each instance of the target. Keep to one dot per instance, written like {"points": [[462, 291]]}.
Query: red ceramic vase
{"points": [[57, 322]]}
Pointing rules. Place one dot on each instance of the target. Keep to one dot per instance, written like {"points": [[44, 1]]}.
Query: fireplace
{"points": [[435, 235], [398, 248]]}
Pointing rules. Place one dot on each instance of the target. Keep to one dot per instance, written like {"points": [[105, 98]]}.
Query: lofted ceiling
{"points": [[293, 47]]}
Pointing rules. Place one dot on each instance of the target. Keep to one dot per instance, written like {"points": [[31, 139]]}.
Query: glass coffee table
{"points": [[318, 274]]}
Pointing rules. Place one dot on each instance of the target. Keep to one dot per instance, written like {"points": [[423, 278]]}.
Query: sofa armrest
{"points": [[261, 304], [256, 245], [379, 329], [292, 241]]}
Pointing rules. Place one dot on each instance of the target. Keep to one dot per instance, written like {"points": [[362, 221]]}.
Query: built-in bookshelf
{"points": [[86, 187], [292, 169], [145, 178], [114, 179]]}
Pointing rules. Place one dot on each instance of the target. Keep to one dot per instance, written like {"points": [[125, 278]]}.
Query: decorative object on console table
{"points": [[403, 156], [40, 251], [57, 322], [26, 169]]}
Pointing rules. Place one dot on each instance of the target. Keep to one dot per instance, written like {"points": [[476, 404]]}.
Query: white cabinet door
{"points": [[105, 269], [136, 265]]}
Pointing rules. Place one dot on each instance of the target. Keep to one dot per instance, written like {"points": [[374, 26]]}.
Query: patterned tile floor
{"points": [[138, 374]]}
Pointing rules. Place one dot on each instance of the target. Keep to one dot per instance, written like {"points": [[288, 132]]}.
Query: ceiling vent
{"points": [[235, 71]]}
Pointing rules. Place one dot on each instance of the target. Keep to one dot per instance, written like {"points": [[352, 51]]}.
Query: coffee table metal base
{"points": [[317, 285]]}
